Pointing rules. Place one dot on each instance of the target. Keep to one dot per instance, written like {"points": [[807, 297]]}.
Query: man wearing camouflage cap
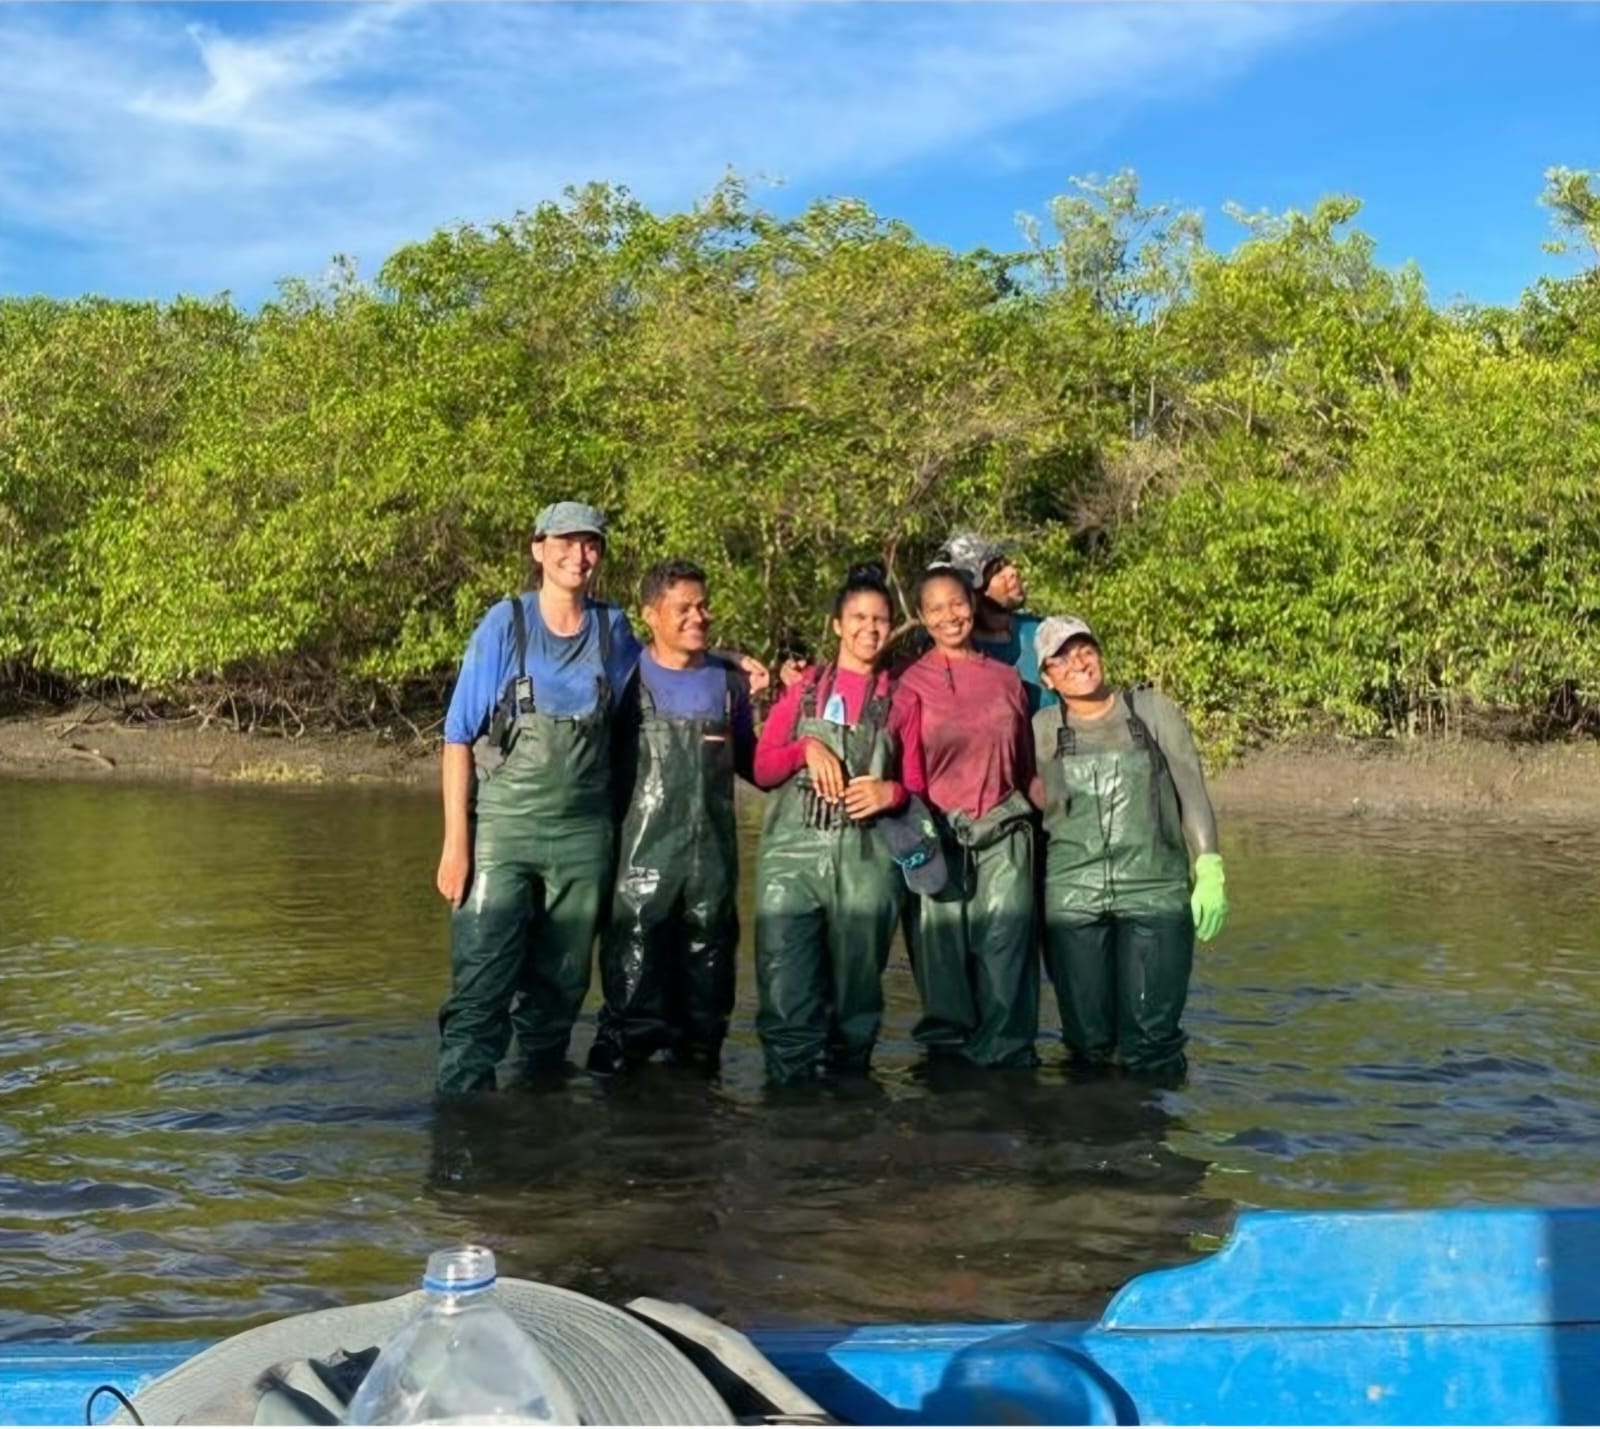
{"points": [[1003, 630]]}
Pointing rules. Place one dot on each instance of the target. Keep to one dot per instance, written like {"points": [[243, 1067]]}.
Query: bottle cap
{"points": [[455, 1272]]}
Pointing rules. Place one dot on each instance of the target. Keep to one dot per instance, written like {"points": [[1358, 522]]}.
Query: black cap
{"points": [[912, 838]]}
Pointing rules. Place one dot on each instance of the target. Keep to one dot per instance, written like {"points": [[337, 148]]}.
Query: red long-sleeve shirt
{"points": [[780, 756], [977, 743]]}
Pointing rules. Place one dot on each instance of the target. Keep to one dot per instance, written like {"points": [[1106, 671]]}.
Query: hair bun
{"points": [[868, 571]]}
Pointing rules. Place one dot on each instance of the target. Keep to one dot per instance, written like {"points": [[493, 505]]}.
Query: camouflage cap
{"points": [[972, 555], [1055, 631], [569, 518]]}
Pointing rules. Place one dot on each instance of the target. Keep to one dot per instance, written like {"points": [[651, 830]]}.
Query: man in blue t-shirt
{"points": [[1002, 628], [685, 728]]}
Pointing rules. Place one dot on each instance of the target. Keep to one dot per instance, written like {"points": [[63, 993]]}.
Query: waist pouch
{"points": [[976, 835]]}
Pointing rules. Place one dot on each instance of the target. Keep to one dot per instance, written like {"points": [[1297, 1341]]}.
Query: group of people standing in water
{"points": [[978, 783]]}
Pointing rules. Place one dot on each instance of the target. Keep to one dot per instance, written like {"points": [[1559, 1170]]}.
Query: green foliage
{"points": [[1574, 208], [91, 394], [1274, 476], [1478, 513]]}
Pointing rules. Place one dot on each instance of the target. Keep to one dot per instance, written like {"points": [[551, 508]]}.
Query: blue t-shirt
{"points": [[702, 693], [564, 668], [1018, 652]]}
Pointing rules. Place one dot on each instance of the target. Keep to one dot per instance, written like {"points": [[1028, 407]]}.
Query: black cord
{"points": [[115, 1393]]}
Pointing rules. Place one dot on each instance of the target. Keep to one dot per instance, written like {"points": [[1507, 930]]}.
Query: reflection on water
{"points": [[216, 1042]]}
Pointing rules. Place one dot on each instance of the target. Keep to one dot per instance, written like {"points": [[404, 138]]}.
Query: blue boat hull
{"points": [[1424, 1317]]}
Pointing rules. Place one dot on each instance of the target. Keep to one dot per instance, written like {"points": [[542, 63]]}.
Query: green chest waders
{"points": [[669, 955], [1119, 936], [973, 947], [542, 833], [828, 897]]}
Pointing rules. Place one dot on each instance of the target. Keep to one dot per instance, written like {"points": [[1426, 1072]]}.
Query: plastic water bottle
{"points": [[461, 1359]]}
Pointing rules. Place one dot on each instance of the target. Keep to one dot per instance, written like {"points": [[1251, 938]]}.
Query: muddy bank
{"points": [[1554, 783], [1454, 779], [88, 744]]}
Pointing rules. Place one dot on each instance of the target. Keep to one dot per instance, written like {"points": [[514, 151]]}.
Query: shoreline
{"points": [[1323, 778]]}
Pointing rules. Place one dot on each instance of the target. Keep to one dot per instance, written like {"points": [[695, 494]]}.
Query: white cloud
{"points": [[143, 149]]}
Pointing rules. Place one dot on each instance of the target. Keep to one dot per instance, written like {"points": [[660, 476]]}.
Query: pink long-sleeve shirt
{"points": [[780, 756]]}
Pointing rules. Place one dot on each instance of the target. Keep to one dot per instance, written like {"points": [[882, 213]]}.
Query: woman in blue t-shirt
{"points": [[528, 824]]}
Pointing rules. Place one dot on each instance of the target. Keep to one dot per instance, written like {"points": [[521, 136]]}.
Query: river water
{"points": [[216, 1044]]}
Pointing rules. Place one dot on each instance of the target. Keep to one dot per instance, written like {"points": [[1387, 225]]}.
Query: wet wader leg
{"points": [[1004, 959], [1154, 957], [486, 951], [1082, 961], [638, 958], [939, 963], [560, 944], [791, 982], [708, 971], [859, 936]]}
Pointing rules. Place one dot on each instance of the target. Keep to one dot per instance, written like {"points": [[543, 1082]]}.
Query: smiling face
{"points": [[680, 619], [945, 607], [1075, 671], [1005, 588], [568, 563], [863, 626]]}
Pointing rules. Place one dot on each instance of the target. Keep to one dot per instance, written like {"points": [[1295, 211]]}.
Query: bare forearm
{"points": [[456, 782]]}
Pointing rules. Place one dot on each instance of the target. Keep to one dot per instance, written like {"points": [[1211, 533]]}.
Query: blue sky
{"points": [[148, 150]]}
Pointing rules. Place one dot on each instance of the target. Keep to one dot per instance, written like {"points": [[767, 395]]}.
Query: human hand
{"points": [[827, 774], [759, 677], [1209, 902], [455, 869], [866, 797]]}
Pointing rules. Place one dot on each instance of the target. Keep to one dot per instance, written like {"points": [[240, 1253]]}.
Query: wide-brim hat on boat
{"points": [[619, 1369]]}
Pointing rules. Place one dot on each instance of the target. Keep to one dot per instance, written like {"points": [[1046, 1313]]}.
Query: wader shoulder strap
{"points": [[1066, 738], [519, 633], [735, 688], [602, 615], [638, 693], [809, 693], [876, 711], [1139, 730], [517, 695]]}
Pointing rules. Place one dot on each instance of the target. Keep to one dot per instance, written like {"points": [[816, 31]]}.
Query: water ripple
{"points": [[217, 1038]]}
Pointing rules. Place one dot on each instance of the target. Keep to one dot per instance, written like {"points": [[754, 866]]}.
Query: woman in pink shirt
{"points": [[839, 749], [973, 945]]}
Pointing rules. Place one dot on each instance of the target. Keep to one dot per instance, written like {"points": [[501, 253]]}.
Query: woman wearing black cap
{"points": [[1125, 806]]}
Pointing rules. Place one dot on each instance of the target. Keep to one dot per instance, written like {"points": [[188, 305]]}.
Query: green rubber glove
{"points": [[1209, 901]]}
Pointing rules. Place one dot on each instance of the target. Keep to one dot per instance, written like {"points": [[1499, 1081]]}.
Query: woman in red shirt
{"points": [[972, 945], [839, 749]]}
